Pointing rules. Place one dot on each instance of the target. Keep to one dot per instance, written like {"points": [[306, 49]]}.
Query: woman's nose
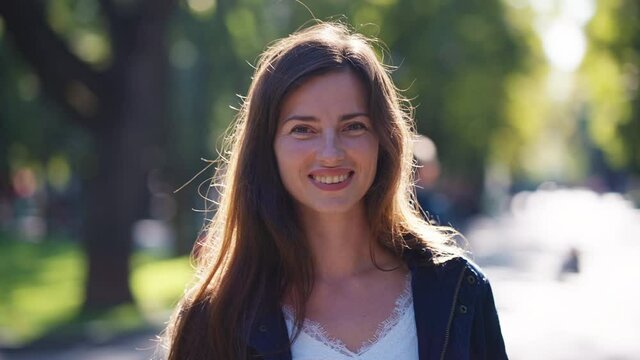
{"points": [[331, 151]]}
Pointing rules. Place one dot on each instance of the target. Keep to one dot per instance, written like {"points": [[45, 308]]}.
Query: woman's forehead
{"points": [[341, 91]]}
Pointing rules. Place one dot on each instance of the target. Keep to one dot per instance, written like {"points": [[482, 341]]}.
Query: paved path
{"points": [[139, 347], [593, 315]]}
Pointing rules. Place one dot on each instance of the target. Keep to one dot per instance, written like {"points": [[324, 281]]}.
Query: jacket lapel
{"points": [[433, 298], [269, 336]]}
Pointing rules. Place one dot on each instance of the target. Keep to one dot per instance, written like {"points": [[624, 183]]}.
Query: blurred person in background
{"points": [[317, 250], [434, 203]]}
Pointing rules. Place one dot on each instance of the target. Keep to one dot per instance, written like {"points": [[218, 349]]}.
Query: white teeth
{"points": [[331, 179]]}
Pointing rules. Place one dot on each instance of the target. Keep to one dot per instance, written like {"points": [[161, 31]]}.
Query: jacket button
{"points": [[462, 309], [471, 279], [262, 328]]}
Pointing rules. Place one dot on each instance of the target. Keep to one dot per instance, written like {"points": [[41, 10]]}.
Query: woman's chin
{"points": [[333, 206]]}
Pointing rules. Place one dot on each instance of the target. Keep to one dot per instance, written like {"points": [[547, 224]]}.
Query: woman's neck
{"points": [[340, 244]]}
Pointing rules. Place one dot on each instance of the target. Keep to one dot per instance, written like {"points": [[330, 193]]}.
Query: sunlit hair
{"points": [[254, 250]]}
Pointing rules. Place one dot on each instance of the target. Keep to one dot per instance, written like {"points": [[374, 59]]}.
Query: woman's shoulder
{"points": [[455, 293], [472, 271], [422, 262]]}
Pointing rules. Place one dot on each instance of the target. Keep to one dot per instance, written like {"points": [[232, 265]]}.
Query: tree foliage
{"points": [[611, 72]]}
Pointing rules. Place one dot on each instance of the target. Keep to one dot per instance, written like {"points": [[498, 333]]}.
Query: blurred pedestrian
{"points": [[570, 263], [316, 250], [434, 203]]}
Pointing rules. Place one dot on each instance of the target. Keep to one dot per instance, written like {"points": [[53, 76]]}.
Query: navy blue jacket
{"points": [[455, 316]]}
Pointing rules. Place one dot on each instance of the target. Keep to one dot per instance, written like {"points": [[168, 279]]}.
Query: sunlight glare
{"points": [[564, 44], [560, 25], [201, 6], [579, 10]]}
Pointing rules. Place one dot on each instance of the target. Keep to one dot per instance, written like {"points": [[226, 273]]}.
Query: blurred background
{"points": [[531, 110]]}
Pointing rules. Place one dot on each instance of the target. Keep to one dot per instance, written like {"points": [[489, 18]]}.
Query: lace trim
{"points": [[316, 331]]}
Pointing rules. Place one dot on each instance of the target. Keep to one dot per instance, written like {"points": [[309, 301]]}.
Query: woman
{"points": [[317, 249]]}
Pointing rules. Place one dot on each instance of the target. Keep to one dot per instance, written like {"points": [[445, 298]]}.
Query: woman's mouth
{"points": [[331, 179], [331, 182]]}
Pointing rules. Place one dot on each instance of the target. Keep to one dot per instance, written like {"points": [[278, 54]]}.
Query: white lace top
{"points": [[395, 338]]}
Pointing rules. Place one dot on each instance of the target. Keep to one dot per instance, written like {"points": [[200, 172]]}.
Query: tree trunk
{"points": [[129, 149]]}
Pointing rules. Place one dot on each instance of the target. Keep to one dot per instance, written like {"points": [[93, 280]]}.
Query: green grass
{"points": [[157, 284], [41, 286]]}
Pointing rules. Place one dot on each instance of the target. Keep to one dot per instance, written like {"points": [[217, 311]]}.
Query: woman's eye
{"points": [[355, 127], [303, 130]]}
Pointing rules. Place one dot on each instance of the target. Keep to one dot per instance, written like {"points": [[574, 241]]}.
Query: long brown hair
{"points": [[254, 249]]}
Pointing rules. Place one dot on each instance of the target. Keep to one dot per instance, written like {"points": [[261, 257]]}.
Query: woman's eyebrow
{"points": [[300, 118], [310, 118], [350, 116]]}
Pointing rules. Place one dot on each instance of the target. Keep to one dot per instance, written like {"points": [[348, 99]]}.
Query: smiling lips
{"points": [[331, 179]]}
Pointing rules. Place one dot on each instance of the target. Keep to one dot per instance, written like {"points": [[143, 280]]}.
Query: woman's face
{"points": [[325, 145]]}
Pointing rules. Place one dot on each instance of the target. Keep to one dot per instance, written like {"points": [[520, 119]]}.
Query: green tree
{"points": [[611, 72], [454, 59], [111, 81]]}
